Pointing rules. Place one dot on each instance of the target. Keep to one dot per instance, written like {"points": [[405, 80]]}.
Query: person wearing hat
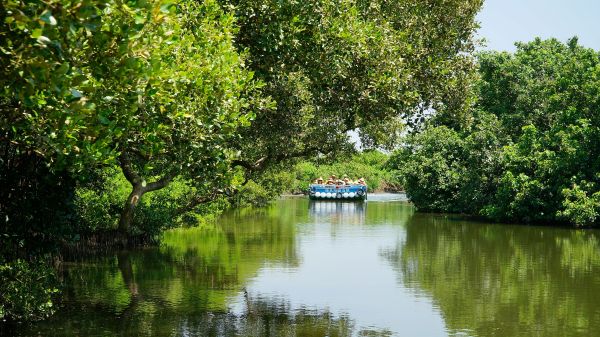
{"points": [[320, 181], [346, 180], [361, 181]]}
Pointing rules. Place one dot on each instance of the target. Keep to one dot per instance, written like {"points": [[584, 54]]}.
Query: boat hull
{"points": [[338, 192]]}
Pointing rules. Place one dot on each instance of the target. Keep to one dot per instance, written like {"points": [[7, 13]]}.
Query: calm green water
{"points": [[305, 268]]}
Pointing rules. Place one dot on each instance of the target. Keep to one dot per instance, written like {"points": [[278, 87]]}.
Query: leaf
{"points": [[36, 33], [44, 40], [166, 8], [76, 93], [140, 19], [48, 18], [63, 69], [103, 120]]}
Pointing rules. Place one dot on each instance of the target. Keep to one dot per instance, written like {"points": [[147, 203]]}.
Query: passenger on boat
{"points": [[346, 180], [361, 181], [320, 181], [331, 180]]}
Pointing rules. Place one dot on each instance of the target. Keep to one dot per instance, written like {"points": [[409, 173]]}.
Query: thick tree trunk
{"points": [[129, 208]]}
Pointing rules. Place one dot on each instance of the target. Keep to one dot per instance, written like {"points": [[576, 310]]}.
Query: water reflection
{"points": [[328, 269], [337, 212], [195, 284], [499, 280]]}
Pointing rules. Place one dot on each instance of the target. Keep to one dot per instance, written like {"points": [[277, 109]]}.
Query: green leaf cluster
{"points": [[85, 81]]}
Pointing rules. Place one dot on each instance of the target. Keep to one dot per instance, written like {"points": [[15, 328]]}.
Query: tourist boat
{"points": [[337, 192]]}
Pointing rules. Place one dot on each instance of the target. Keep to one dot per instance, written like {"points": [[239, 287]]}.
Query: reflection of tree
{"points": [[262, 317], [495, 280], [185, 286], [193, 272]]}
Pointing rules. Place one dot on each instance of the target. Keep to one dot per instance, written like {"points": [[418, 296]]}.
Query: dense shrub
{"points": [[263, 189], [27, 290], [444, 170], [36, 204], [432, 169]]}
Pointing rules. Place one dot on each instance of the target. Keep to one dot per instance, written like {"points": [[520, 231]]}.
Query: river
{"points": [[302, 268]]}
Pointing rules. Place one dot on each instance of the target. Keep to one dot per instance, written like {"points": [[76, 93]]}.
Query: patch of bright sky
{"points": [[503, 22]]}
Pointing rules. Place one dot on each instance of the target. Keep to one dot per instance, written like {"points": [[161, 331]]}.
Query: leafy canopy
{"points": [[337, 65], [84, 81]]}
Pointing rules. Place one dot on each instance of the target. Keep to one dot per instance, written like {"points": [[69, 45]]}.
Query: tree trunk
{"points": [[139, 188], [129, 208]]}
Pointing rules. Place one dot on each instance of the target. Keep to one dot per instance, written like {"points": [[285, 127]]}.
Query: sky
{"points": [[503, 22]]}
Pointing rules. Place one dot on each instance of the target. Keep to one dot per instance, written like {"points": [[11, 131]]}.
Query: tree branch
{"points": [[161, 183], [197, 200], [247, 165], [130, 174]]}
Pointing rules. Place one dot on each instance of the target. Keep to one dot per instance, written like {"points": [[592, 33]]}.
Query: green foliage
{"points": [[266, 188], [444, 170], [545, 83], [99, 203], [530, 153], [431, 169], [155, 86], [371, 165], [27, 290], [36, 204], [98, 77], [580, 208]]}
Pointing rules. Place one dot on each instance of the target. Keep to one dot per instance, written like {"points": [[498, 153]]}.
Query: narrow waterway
{"points": [[302, 268]]}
